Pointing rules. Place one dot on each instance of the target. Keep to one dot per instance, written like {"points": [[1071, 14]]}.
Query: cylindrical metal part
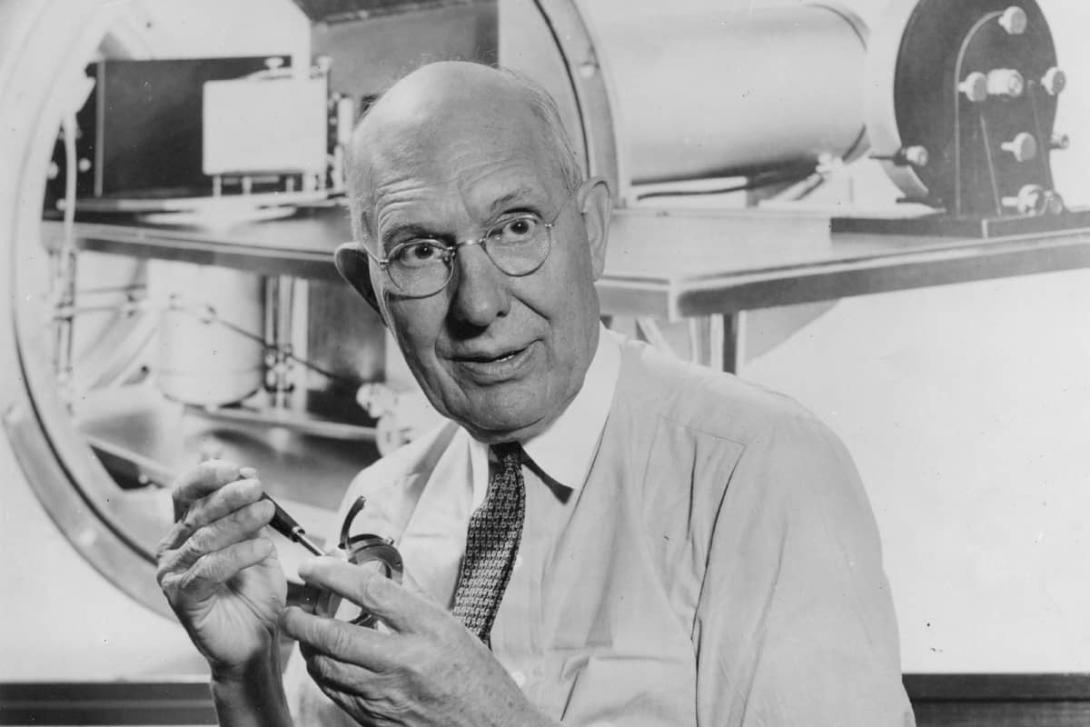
{"points": [[698, 93], [200, 360], [1006, 82]]}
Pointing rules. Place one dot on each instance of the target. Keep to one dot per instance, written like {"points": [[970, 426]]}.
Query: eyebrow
{"points": [[521, 195], [408, 231], [413, 230]]}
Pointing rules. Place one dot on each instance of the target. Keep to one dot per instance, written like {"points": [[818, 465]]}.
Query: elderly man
{"points": [[600, 535]]}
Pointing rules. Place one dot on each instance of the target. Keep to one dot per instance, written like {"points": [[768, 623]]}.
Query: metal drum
{"points": [[204, 356], [679, 91]]}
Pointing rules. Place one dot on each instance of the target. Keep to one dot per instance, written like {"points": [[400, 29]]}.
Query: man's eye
{"points": [[416, 254], [519, 229]]}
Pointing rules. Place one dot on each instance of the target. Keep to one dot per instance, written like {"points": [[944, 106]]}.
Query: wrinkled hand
{"points": [[426, 670], [218, 571]]}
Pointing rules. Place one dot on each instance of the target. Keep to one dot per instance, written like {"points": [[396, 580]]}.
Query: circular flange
{"points": [[913, 85]]}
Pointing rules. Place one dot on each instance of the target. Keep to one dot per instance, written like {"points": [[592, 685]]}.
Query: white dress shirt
{"points": [[433, 542]]}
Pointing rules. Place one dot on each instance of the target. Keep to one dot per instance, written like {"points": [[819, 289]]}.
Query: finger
{"points": [[351, 680], [242, 524], [399, 608], [343, 641], [201, 480], [204, 577], [227, 499]]}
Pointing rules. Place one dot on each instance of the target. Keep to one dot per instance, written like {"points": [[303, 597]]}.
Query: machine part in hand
{"points": [[360, 550]]}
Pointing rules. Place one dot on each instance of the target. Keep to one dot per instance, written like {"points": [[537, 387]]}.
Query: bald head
{"points": [[447, 103]]}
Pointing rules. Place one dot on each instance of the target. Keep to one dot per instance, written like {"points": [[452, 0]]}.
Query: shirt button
{"points": [[519, 678]]}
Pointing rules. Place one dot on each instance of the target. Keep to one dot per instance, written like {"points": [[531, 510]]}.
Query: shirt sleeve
{"points": [[795, 623]]}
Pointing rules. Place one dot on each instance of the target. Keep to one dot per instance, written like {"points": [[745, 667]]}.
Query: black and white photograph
{"points": [[541, 363]]}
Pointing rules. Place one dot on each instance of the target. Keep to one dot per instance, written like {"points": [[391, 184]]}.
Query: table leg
{"points": [[716, 341]]}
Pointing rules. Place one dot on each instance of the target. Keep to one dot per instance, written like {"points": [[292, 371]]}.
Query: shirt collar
{"points": [[566, 449]]}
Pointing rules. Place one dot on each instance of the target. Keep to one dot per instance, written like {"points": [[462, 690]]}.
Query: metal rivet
{"points": [[1023, 147]]}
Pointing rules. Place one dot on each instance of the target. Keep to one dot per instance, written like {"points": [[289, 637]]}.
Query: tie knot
{"points": [[506, 452]]}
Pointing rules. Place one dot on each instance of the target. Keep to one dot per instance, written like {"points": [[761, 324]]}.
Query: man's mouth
{"points": [[487, 358], [493, 366]]}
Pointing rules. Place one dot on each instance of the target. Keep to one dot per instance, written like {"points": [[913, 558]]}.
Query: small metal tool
{"points": [[287, 526]]}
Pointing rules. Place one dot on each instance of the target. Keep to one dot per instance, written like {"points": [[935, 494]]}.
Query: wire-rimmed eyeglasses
{"points": [[518, 244]]}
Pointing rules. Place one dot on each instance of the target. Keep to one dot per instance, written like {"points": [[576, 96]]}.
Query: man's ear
{"points": [[596, 204], [355, 267]]}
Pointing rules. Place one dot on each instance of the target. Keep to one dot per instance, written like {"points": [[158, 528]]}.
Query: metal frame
{"points": [[56, 459], [589, 78]]}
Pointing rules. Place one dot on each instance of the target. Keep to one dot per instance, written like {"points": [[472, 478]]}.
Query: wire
{"points": [[757, 182], [210, 314]]}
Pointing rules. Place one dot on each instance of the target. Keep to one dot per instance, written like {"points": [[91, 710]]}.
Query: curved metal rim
{"points": [[862, 143], [589, 79], [879, 106], [56, 460]]}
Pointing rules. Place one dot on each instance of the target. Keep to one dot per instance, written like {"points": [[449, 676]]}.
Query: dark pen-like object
{"points": [[287, 526]]}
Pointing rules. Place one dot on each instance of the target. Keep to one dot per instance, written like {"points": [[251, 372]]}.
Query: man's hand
{"points": [[219, 572], [427, 670]]}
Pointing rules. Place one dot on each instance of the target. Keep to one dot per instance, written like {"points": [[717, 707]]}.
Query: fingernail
{"points": [[248, 473]]}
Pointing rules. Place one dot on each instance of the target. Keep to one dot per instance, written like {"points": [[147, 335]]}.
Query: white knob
{"points": [[1005, 82], [917, 156], [1054, 81], [1023, 147], [1031, 200], [1014, 20], [975, 87]]}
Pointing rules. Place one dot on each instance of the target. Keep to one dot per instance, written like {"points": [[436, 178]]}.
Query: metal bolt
{"points": [[917, 156], [1014, 20], [1006, 82], [83, 164], [1059, 141], [1054, 81], [1023, 147], [1030, 200], [975, 87]]}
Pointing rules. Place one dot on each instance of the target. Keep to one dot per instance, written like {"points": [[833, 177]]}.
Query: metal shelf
{"points": [[670, 264]]}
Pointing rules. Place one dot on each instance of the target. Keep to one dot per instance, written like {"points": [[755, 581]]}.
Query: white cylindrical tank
{"points": [[204, 356], [706, 92]]}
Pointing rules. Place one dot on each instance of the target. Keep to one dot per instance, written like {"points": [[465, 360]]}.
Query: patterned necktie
{"points": [[492, 543]]}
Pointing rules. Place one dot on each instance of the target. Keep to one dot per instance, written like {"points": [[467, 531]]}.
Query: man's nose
{"points": [[480, 292]]}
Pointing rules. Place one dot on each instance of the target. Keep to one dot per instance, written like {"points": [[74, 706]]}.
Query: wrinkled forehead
{"points": [[467, 157]]}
